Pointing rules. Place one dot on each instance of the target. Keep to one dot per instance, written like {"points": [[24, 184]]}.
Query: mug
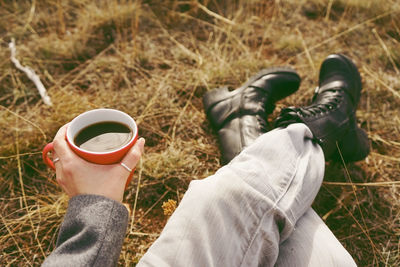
{"points": [[87, 119]]}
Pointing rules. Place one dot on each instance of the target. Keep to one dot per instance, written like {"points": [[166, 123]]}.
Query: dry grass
{"points": [[155, 59]]}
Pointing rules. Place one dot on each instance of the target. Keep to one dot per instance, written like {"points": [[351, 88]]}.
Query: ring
{"points": [[126, 167], [55, 160]]}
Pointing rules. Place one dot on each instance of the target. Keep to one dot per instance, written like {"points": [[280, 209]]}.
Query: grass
{"points": [[154, 60]]}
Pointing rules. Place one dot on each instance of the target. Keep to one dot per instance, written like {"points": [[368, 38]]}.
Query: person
{"points": [[256, 209]]}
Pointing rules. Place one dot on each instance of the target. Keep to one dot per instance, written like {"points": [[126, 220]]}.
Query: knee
{"points": [[221, 190], [208, 190]]}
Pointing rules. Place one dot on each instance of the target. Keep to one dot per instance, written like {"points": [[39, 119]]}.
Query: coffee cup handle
{"points": [[48, 148]]}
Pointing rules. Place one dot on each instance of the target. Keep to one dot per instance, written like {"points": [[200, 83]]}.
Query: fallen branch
{"points": [[30, 73]]}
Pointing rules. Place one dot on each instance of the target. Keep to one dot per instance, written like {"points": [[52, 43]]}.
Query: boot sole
{"points": [[219, 94]]}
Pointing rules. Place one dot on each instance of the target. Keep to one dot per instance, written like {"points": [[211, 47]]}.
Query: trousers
{"points": [[255, 211]]}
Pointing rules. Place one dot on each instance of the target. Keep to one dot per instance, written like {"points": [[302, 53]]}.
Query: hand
{"points": [[78, 176]]}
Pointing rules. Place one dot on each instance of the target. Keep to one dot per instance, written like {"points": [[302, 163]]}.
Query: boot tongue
{"points": [[332, 85], [335, 85], [338, 80]]}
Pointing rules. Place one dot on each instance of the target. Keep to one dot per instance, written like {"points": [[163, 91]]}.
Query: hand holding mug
{"points": [[83, 170]]}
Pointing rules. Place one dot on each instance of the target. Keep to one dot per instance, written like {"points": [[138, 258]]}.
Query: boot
{"points": [[240, 116], [331, 116]]}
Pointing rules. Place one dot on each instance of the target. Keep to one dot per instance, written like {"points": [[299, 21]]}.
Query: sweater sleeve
{"points": [[91, 234]]}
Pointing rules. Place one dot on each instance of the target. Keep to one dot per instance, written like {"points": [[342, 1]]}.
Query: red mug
{"points": [[92, 117]]}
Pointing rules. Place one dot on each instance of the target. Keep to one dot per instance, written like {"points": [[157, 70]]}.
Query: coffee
{"points": [[103, 136]]}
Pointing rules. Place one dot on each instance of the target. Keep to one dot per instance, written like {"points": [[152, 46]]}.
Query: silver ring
{"points": [[126, 167], [55, 160]]}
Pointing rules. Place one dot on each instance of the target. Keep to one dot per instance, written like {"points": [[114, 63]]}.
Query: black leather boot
{"points": [[331, 116], [240, 116]]}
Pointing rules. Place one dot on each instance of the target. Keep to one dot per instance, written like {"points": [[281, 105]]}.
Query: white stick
{"points": [[30, 73]]}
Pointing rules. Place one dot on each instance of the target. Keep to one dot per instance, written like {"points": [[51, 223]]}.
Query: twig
{"points": [[30, 73], [377, 184], [215, 15]]}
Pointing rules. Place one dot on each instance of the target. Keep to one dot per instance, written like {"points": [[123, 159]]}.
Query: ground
{"points": [[154, 60]]}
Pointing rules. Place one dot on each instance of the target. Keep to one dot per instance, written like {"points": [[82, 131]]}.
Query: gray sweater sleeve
{"points": [[91, 234]]}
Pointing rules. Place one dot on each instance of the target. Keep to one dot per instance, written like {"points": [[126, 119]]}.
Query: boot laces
{"points": [[264, 108], [327, 103]]}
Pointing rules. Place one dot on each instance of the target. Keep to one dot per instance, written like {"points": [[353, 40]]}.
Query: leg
{"points": [[240, 116], [240, 215], [313, 244]]}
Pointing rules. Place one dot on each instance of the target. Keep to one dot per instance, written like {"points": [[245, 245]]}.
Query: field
{"points": [[154, 60]]}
